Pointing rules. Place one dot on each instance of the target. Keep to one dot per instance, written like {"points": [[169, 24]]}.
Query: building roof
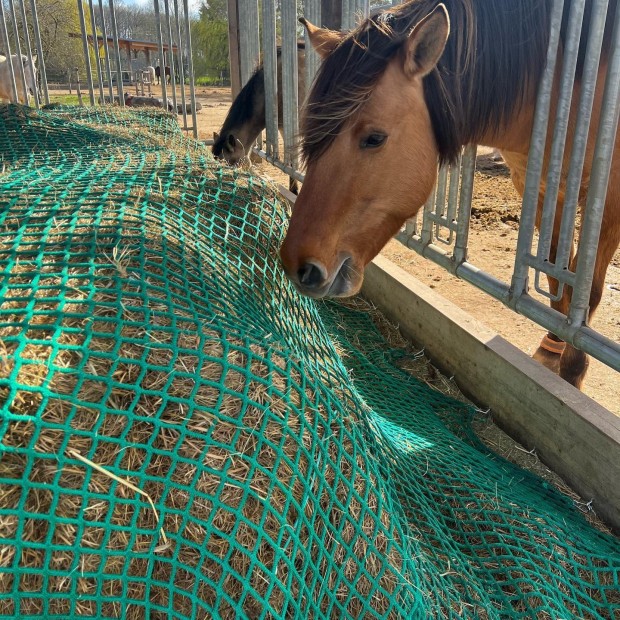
{"points": [[129, 44]]}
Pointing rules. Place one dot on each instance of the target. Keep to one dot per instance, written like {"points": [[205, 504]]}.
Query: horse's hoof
{"points": [[548, 359]]}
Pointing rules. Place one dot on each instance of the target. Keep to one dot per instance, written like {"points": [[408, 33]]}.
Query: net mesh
{"points": [[183, 436]]}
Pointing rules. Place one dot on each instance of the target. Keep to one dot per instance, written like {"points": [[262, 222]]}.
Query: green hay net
{"points": [[183, 436]]}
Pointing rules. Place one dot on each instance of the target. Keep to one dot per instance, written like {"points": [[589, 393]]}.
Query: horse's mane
{"points": [[492, 63]]}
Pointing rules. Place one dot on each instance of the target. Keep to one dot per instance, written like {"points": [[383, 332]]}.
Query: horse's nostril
{"points": [[310, 275]]}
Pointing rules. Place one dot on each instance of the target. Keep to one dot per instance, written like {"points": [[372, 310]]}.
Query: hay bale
{"points": [[261, 496]]}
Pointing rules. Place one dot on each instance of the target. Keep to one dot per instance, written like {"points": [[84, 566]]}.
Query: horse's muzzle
{"points": [[313, 279]]}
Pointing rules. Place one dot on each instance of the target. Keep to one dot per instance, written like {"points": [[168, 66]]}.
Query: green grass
{"points": [[68, 99]]}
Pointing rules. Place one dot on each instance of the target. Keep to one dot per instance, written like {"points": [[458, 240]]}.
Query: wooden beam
{"points": [[575, 436]]}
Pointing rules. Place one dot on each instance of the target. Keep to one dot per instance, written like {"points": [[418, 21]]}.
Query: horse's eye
{"points": [[373, 140]]}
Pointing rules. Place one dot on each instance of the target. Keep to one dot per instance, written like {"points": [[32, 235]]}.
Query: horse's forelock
{"points": [[346, 80]]}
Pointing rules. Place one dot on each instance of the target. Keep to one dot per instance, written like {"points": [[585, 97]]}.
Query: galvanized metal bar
{"points": [[117, 55], [292, 172], [192, 88], [348, 11], [290, 92], [106, 47], [248, 38], [560, 130], [89, 76], [39, 45], [22, 8], [535, 158], [9, 59], [181, 63], [270, 69], [162, 57], [440, 197], [426, 233], [18, 50], [599, 179], [468, 169], [173, 81], [93, 23], [312, 12], [581, 336]]}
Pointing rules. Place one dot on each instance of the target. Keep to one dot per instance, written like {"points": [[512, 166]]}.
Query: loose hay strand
{"points": [[130, 485]]}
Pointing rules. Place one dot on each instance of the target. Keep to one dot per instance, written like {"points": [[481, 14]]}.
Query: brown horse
{"points": [[399, 94]]}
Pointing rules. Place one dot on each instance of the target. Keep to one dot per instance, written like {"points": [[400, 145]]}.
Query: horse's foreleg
{"points": [[574, 363]]}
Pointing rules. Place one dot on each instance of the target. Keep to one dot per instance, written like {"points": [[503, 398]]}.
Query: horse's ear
{"points": [[426, 42], [323, 40], [232, 141], [216, 136]]}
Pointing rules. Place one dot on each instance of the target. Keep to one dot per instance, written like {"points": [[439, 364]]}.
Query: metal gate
{"points": [[440, 232], [104, 72]]}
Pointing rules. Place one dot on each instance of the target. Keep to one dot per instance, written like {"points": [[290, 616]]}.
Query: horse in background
{"points": [[152, 73], [166, 74], [408, 88], [246, 117], [29, 74]]}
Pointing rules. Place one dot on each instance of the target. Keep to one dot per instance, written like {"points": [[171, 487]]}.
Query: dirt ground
{"points": [[495, 217]]}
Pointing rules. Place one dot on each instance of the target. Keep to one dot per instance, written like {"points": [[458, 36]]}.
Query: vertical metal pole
{"points": [[180, 61], [89, 77], [22, 7], [249, 46], [9, 58], [93, 23], [192, 90], [464, 213], [535, 159], [270, 69], [233, 47], [560, 128], [162, 58], [106, 47], [39, 44], [171, 56], [18, 49], [290, 92], [117, 55], [313, 14], [599, 179]]}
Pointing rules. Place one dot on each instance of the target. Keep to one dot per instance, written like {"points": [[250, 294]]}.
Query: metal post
{"points": [[171, 56], [22, 7], [9, 59], [106, 47], [180, 60], [270, 69], [18, 50], [162, 58], [89, 77], [117, 54], [39, 44], [93, 23], [535, 158], [192, 89]]}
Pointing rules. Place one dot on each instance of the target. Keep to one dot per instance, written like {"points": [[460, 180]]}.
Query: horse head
{"points": [[227, 147], [369, 147]]}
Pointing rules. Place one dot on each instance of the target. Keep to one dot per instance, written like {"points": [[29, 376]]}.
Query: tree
{"points": [[57, 18], [210, 40]]}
